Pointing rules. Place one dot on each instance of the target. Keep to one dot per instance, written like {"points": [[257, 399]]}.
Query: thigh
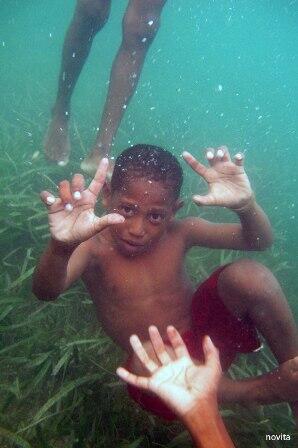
{"points": [[145, 6], [93, 8]]}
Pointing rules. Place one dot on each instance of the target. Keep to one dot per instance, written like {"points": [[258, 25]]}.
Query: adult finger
{"points": [[142, 354], [177, 342], [77, 186], [211, 355], [100, 176], [159, 346], [134, 380], [222, 154], [65, 195], [239, 159], [194, 163]]}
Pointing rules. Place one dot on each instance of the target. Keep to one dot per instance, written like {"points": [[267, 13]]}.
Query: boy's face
{"points": [[148, 207]]}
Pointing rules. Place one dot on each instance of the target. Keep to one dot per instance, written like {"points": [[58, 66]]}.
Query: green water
{"points": [[218, 72]]}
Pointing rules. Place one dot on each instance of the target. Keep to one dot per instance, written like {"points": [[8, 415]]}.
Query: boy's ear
{"points": [[106, 194], [178, 204]]}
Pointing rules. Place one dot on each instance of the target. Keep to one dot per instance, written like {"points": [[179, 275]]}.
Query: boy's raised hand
{"points": [[178, 382], [227, 181], [71, 215]]}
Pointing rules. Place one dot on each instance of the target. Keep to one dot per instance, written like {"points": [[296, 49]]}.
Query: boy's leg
{"points": [[89, 17], [248, 288], [140, 25]]}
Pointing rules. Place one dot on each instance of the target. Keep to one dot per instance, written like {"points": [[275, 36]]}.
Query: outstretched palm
{"points": [[228, 184], [179, 382], [71, 216]]}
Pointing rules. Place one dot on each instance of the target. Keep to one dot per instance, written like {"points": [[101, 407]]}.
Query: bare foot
{"points": [[56, 142], [91, 162]]}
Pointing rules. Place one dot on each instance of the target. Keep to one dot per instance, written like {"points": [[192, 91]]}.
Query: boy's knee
{"points": [[247, 278], [96, 10], [139, 30]]}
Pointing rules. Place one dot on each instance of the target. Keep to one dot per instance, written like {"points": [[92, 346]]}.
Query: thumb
{"points": [[107, 220], [204, 200], [211, 354]]}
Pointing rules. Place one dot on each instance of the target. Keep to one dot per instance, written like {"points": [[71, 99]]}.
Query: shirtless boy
{"points": [[140, 26], [132, 263]]}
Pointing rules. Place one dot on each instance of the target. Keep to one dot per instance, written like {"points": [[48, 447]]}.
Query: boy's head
{"points": [[144, 188], [147, 162]]}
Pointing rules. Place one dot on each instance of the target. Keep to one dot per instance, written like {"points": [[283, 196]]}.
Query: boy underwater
{"points": [[132, 264]]}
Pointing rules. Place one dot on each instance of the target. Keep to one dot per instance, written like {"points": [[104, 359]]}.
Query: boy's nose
{"points": [[136, 229]]}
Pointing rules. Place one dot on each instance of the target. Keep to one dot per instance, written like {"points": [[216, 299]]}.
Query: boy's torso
{"points": [[131, 293]]}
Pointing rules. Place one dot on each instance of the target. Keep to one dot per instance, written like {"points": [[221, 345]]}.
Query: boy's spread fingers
{"points": [[142, 354], [134, 380], [194, 163], [100, 176], [158, 345], [177, 342], [77, 186]]}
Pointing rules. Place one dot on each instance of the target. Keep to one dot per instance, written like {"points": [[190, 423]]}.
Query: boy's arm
{"points": [[253, 233], [60, 265]]}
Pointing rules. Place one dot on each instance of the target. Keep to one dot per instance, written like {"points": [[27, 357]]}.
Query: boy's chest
{"points": [[125, 278]]}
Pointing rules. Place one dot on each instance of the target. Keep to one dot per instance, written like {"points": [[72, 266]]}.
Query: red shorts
{"points": [[209, 317]]}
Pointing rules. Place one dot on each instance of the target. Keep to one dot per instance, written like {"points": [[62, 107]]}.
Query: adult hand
{"points": [[228, 184], [178, 382], [71, 215]]}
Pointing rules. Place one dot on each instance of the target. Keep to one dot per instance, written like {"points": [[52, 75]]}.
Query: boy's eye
{"points": [[156, 217], [126, 210]]}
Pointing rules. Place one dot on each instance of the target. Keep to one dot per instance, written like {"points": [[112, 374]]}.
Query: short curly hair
{"points": [[150, 162]]}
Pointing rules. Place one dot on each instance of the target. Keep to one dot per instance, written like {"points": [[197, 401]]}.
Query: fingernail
{"points": [[239, 156], [116, 219], [62, 163], [134, 339], [121, 372], [77, 195], [68, 207], [50, 200], [209, 155], [186, 154], [220, 153], [105, 161]]}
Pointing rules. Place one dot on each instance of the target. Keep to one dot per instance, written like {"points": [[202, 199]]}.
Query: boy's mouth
{"points": [[132, 243]]}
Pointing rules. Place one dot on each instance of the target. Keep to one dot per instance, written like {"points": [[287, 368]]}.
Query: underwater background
{"points": [[219, 72]]}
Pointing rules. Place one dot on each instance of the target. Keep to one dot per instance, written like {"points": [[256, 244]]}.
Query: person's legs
{"points": [[140, 25], [89, 17]]}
